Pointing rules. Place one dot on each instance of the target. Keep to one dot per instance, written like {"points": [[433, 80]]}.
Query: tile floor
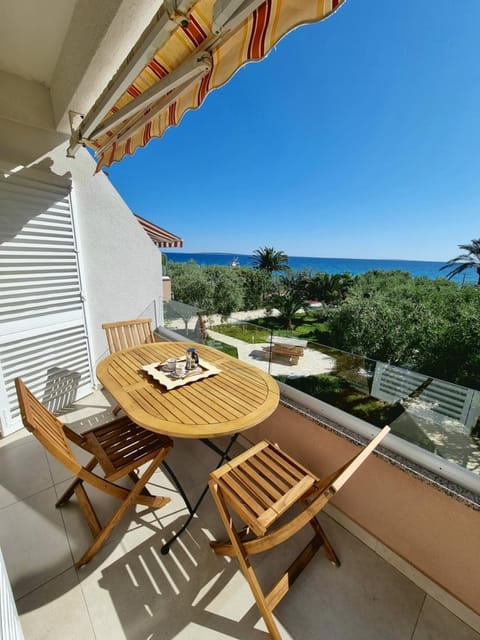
{"points": [[129, 590]]}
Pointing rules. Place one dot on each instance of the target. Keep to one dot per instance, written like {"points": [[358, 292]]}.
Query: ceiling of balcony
{"points": [[71, 47], [31, 37]]}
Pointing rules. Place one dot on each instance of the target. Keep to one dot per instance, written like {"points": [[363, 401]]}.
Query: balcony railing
{"points": [[436, 423]]}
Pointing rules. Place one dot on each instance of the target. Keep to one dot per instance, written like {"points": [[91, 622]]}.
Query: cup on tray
{"points": [[180, 370], [170, 364]]}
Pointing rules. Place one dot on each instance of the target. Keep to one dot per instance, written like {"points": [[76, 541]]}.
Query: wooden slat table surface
{"points": [[236, 399]]}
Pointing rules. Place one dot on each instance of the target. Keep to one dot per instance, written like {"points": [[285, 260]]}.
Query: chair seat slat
{"points": [[243, 510], [241, 495], [274, 479], [258, 482], [135, 454], [118, 441], [239, 459], [133, 447], [290, 498], [285, 462], [276, 468]]}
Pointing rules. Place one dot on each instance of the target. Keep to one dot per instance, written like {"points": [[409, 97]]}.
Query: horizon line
{"points": [[249, 255]]}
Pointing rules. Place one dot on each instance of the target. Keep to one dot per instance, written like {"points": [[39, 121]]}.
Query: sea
{"points": [[355, 266]]}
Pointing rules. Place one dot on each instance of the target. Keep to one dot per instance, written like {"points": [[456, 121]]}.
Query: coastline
{"points": [[355, 266]]}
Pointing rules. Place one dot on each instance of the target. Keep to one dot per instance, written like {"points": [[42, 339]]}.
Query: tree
{"points": [[329, 288], [257, 288], [190, 284], [269, 259], [174, 310], [469, 260], [227, 290], [431, 326], [211, 289], [291, 295]]}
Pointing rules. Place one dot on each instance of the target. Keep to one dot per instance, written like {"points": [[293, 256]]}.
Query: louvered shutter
{"points": [[42, 321]]}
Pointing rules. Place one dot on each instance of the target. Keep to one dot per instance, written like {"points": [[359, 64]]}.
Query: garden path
{"points": [[311, 363]]}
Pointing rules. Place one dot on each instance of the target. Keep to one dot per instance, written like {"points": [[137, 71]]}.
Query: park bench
{"points": [[285, 350]]}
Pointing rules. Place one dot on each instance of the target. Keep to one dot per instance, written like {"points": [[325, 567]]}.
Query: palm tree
{"points": [[329, 288], [269, 259], [469, 260], [290, 296]]}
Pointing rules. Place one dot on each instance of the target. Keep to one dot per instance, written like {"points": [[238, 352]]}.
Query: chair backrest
{"points": [[344, 473], [128, 333], [45, 427]]}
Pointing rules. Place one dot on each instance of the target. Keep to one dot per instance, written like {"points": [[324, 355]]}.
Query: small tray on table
{"points": [[171, 380]]}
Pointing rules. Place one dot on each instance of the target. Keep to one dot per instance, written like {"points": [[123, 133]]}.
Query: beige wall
{"points": [[166, 288], [437, 534]]}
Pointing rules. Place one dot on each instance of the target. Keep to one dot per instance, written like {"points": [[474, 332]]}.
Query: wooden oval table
{"points": [[237, 398]]}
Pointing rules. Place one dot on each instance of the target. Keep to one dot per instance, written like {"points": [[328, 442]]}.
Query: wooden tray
{"points": [[166, 378]]}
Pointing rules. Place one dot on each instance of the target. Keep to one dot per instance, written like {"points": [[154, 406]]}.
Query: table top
{"points": [[237, 398]]}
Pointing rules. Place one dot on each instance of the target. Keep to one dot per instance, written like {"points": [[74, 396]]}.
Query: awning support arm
{"points": [[138, 122], [227, 14], [166, 20], [186, 72]]}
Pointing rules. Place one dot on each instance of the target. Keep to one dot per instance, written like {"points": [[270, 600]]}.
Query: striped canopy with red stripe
{"points": [[160, 237], [203, 48]]}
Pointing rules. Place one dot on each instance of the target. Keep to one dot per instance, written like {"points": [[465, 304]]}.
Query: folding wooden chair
{"points": [[119, 447], [125, 334], [262, 485]]}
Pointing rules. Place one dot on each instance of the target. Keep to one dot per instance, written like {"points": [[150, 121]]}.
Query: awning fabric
{"points": [[201, 52], [160, 237]]}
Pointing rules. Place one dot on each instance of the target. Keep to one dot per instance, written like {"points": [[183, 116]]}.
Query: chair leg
{"points": [[116, 409], [117, 516], [87, 508], [71, 489], [134, 476], [245, 565], [329, 552]]}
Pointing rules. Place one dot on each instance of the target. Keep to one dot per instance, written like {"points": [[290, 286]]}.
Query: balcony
{"points": [[409, 551]]}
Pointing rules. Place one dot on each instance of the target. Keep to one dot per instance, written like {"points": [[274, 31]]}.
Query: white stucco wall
{"points": [[25, 101], [26, 122], [121, 267], [100, 36]]}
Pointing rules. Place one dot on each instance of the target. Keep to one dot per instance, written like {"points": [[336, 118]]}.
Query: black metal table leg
{"points": [[224, 455]]}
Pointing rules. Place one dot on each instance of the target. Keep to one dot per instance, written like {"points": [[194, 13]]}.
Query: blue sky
{"points": [[357, 137]]}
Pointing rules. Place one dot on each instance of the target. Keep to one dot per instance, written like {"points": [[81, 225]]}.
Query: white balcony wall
{"points": [[120, 266], [53, 65], [120, 269]]}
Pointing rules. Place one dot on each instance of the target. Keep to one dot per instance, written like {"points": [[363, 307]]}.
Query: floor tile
{"points": [[24, 471], [16, 438], [33, 541], [56, 610], [381, 603], [437, 623], [138, 524], [164, 597]]}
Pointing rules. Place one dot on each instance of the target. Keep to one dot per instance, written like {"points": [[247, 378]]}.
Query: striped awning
{"points": [[160, 237], [197, 45]]}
